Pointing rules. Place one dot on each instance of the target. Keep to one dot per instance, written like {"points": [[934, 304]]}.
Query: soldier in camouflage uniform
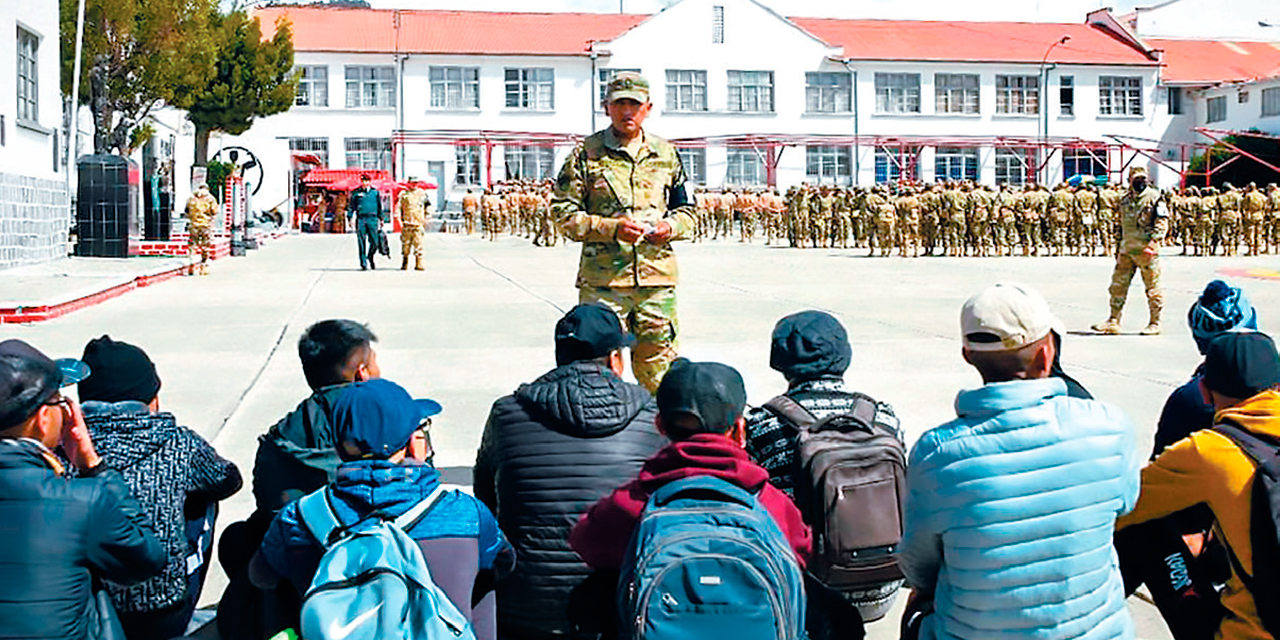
{"points": [[1006, 221], [1144, 226], [908, 229], [1273, 216], [470, 210], [954, 205], [202, 208], [1229, 203], [1108, 205], [981, 210], [1254, 218], [413, 207], [1034, 203], [746, 206], [1058, 219], [621, 193], [930, 207]]}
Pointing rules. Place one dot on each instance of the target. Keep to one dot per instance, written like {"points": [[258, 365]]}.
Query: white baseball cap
{"points": [[1006, 316]]}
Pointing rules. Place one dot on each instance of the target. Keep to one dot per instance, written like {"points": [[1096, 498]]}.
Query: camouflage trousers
{"points": [[1149, 267], [649, 314], [198, 241], [411, 240]]}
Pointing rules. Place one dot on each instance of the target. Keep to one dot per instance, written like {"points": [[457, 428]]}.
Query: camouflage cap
{"points": [[628, 84]]}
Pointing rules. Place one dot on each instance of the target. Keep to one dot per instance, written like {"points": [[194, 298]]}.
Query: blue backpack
{"points": [[372, 582], [708, 561]]}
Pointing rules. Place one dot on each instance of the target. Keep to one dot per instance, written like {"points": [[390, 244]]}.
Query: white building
{"points": [[34, 212], [750, 96]]}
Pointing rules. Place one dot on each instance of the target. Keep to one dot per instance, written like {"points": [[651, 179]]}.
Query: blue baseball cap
{"points": [[378, 417]]}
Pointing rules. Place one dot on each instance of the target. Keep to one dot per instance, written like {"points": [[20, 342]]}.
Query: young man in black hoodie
{"points": [[549, 451]]}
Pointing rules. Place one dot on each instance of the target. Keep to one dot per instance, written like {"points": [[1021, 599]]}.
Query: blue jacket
{"points": [[1010, 512], [460, 539]]}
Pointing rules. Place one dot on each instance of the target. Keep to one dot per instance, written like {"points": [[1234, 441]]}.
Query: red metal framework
{"points": [[1219, 136], [1116, 154]]}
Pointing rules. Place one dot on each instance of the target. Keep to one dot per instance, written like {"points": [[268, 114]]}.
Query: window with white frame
{"points": [[467, 167], [897, 163], [955, 163], [603, 76], [313, 87], [371, 87], [828, 92], [368, 153], [1084, 162], [1271, 102], [695, 164], [454, 87], [686, 90], [1217, 107], [530, 163], [1067, 96], [531, 88], [897, 93], [1014, 166], [28, 76], [751, 91], [828, 164], [1120, 95], [744, 167], [1018, 95], [318, 147], [956, 93]]}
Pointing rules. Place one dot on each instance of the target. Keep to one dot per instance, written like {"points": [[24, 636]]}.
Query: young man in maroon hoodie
{"points": [[700, 408]]}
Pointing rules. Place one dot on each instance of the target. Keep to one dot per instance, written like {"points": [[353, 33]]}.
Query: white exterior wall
{"points": [[755, 39], [34, 211], [1241, 116], [1205, 19]]}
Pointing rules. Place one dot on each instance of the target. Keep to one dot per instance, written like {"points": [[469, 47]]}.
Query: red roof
{"points": [[446, 32], [1019, 42], [1214, 61]]}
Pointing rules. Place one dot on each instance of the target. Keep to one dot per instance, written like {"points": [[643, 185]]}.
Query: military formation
{"points": [[954, 218]]}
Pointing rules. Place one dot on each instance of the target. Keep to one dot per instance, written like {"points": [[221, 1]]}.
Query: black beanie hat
{"points": [[120, 371], [810, 344], [1241, 364]]}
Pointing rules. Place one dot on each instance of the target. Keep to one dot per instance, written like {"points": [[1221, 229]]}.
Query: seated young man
{"points": [[1239, 379], [1011, 506], [170, 469], [379, 434], [700, 408]]}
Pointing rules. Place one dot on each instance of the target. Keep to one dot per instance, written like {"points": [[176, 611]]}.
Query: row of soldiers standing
{"points": [[961, 218], [518, 207]]}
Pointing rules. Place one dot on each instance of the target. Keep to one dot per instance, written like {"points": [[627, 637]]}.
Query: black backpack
{"points": [[850, 480], [1264, 523]]}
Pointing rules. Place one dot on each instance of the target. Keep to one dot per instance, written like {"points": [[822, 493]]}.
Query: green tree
{"points": [[138, 54], [252, 78]]}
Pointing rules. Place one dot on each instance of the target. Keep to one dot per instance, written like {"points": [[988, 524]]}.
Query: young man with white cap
{"points": [[1010, 507]]}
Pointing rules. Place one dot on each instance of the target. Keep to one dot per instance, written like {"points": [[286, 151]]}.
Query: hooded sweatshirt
{"points": [[163, 463], [549, 451], [602, 535], [1209, 468]]}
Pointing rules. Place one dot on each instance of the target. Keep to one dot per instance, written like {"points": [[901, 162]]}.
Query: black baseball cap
{"points": [[1241, 364], [28, 378], [709, 391], [587, 332]]}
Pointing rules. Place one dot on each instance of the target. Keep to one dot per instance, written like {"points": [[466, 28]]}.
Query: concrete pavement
{"points": [[479, 322]]}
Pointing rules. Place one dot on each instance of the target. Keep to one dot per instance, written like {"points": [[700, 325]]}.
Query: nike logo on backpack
{"points": [[338, 632]]}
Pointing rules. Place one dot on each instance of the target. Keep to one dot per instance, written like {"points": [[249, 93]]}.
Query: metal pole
{"points": [[73, 123], [1042, 131]]}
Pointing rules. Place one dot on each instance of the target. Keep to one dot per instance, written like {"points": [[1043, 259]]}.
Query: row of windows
{"points": [[748, 91], [1217, 105]]}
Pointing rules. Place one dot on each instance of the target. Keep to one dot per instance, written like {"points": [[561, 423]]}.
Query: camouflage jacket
{"points": [[600, 184], [413, 206], [201, 208], [1142, 223]]}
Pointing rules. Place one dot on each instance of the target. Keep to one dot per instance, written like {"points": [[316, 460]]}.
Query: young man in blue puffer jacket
{"points": [[1011, 506]]}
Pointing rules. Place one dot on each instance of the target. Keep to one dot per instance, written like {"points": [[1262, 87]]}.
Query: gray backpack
{"points": [[850, 481]]}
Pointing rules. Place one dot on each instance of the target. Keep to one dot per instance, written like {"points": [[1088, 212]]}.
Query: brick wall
{"points": [[35, 216]]}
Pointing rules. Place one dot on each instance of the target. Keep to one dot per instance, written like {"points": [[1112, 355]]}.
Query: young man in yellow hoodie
{"points": [[1240, 377]]}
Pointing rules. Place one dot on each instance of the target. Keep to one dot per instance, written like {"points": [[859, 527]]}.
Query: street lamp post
{"points": [[1042, 123]]}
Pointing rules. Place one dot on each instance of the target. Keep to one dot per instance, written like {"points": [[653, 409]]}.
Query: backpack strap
{"points": [[1264, 584], [701, 487], [418, 511], [318, 516], [791, 412]]}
